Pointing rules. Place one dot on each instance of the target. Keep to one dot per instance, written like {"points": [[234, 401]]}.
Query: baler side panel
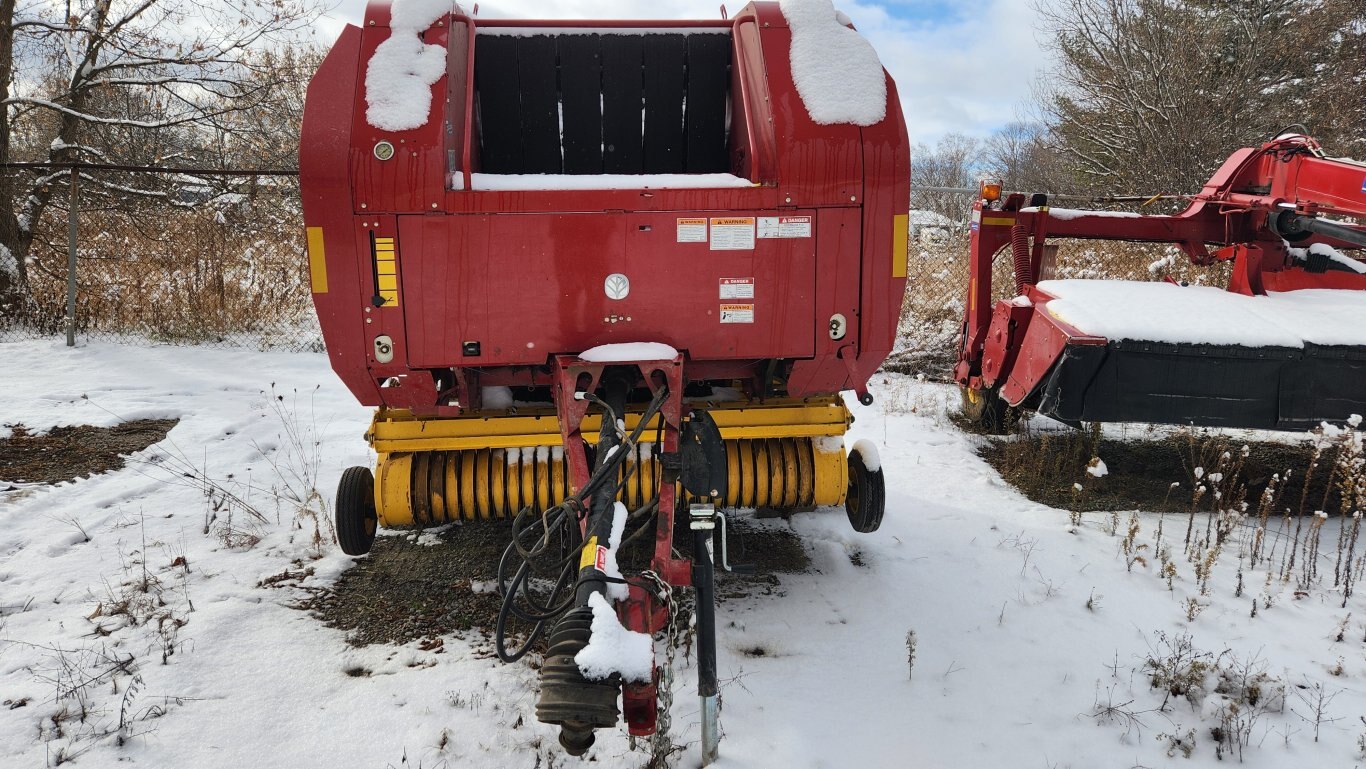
{"points": [[837, 291], [819, 165], [886, 196], [326, 194], [414, 178]]}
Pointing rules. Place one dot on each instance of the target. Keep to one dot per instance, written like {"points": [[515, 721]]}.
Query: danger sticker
{"points": [[784, 226], [732, 233], [737, 313], [737, 288], [692, 230], [600, 562]]}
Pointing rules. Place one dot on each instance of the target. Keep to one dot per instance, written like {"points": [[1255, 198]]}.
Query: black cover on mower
{"points": [[1278, 388]]}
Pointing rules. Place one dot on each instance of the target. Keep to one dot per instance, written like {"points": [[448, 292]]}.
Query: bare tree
{"points": [[952, 162], [1023, 156], [1149, 96], [131, 82]]}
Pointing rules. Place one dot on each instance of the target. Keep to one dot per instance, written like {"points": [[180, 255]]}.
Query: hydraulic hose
{"points": [[534, 535], [1019, 252]]}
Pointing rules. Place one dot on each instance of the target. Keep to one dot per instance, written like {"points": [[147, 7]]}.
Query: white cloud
{"points": [[968, 73]]}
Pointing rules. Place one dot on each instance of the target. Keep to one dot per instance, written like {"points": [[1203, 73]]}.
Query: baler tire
{"points": [[356, 518], [989, 412], [867, 496]]}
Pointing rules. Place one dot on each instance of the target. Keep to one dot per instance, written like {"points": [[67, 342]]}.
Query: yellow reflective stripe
{"points": [[900, 225], [317, 260], [999, 221], [386, 269]]}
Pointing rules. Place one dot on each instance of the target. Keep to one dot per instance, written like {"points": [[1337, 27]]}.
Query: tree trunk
{"points": [[14, 240]]}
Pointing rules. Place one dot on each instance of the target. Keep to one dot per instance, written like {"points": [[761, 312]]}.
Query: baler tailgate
{"points": [[480, 278]]}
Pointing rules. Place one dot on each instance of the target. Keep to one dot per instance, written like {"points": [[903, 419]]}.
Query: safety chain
{"points": [[661, 746]]}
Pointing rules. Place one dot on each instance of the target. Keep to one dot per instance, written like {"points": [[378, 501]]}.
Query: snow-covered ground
{"points": [[1030, 635]]}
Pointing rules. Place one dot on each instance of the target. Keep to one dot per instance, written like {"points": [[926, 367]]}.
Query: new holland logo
{"points": [[617, 286]]}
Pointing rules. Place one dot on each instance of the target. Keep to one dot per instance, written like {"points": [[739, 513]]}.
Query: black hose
{"points": [[559, 523]]}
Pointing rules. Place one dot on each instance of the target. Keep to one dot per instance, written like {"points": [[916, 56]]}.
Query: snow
{"points": [[867, 451], [836, 71], [1023, 629], [617, 591], [1163, 312], [918, 217], [1071, 213], [627, 352], [1096, 468], [524, 182], [8, 264], [614, 649], [398, 79], [1333, 254], [497, 397]]}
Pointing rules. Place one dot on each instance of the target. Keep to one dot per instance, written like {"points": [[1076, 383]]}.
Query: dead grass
{"points": [[67, 453], [227, 270], [1153, 475]]}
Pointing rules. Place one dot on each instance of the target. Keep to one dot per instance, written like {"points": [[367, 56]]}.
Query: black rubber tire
{"points": [[356, 519], [988, 412], [866, 498]]}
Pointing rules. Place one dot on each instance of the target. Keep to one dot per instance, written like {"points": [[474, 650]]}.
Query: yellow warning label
{"points": [[590, 552]]}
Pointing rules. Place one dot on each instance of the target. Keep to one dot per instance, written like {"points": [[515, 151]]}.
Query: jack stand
{"points": [[702, 521]]}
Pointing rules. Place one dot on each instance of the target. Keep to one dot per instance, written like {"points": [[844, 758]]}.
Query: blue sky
{"points": [[964, 67]]}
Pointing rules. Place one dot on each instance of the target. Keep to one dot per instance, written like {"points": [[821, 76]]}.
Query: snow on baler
{"points": [[596, 276], [1282, 347]]}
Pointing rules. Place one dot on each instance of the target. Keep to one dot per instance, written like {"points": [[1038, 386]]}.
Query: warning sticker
{"points": [[692, 230], [784, 226], [737, 313], [732, 233], [600, 562], [1363, 185], [737, 288]]}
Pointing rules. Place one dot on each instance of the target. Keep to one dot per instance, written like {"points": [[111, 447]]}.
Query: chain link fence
{"points": [[217, 270]]}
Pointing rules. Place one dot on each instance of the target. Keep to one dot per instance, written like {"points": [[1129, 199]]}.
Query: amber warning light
{"points": [[991, 190]]}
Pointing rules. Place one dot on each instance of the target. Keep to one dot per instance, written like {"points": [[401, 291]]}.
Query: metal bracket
{"points": [[707, 518]]}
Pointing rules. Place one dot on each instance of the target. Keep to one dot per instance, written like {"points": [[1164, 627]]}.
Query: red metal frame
{"points": [[1012, 346]]}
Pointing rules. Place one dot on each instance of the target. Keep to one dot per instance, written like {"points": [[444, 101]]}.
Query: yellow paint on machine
{"points": [[386, 271], [900, 226], [590, 552], [317, 260]]}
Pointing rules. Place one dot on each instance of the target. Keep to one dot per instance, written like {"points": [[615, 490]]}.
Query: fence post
{"points": [[71, 262]]}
